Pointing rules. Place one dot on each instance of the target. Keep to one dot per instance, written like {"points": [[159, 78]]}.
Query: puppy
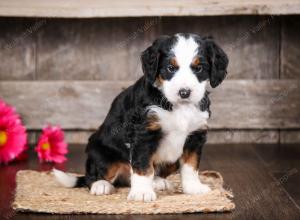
{"points": [[158, 125]]}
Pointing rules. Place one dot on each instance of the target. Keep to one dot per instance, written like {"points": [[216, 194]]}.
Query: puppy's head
{"points": [[181, 65]]}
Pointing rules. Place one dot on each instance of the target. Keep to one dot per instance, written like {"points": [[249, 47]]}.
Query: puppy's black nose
{"points": [[184, 93]]}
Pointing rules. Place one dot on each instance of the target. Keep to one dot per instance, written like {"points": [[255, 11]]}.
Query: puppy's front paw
{"points": [[196, 188], [102, 187], [162, 184], [146, 195]]}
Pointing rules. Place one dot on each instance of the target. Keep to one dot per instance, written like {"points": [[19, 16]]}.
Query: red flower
{"points": [[51, 146], [13, 137]]}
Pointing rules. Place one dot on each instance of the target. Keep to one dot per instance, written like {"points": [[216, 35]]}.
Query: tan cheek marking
{"points": [[159, 80], [190, 158]]}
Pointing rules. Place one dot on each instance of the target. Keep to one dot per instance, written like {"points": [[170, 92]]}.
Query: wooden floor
{"points": [[264, 178]]}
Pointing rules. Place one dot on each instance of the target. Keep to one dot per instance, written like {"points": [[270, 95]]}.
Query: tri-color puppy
{"points": [[159, 124]]}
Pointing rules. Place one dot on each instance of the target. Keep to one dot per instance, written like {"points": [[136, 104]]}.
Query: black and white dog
{"points": [[159, 124]]}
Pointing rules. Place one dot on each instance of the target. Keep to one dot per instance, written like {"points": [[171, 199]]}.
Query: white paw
{"points": [[196, 188], [162, 184], [101, 187], [146, 195]]}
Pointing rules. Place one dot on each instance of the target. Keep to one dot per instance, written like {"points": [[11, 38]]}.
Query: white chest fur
{"points": [[176, 126]]}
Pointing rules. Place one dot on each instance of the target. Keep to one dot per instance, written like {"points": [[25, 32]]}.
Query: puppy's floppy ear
{"points": [[150, 59], [218, 61]]}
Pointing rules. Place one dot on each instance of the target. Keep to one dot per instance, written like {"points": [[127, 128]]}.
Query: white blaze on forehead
{"points": [[185, 50]]}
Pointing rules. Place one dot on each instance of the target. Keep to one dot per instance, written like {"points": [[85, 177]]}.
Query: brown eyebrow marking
{"points": [[196, 61], [173, 61]]}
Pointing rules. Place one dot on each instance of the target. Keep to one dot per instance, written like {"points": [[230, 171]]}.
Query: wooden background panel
{"points": [[134, 8], [214, 136], [71, 136], [236, 104], [290, 49], [17, 45], [109, 49], [74, 105], [251, 42], [242, 136], [290, 136], [106, 49], [256, 104]]}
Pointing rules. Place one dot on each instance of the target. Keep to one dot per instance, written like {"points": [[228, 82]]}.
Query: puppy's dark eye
{"points": [[198, 69], [171, 69]]}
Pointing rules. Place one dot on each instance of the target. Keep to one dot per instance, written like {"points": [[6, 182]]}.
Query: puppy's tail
{"points": [[68, 180]]}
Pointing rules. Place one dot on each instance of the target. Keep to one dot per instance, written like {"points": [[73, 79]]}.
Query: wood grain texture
{"points": [[290, 48], [256, 104], [71, 136], [290, 136], [54, 102], [242, 136], [32, 137], [290, 186], [109, 49], [245, 169], [229, 136], [135, 8], [236, 104], [251, 42], [17, 43], [257, 192]]}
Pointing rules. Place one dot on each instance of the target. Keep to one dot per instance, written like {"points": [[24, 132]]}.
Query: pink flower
{"points": [[51, 146], [13, 137]]}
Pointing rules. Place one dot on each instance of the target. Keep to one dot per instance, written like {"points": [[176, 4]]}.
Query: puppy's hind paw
{"points": [[162, 184], [102, 187]]}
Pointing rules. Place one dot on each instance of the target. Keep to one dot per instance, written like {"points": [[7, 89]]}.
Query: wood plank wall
{"points": [[68, 70]]}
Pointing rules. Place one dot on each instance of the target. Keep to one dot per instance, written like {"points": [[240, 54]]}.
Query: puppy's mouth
{"points": [[184, 101]]}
